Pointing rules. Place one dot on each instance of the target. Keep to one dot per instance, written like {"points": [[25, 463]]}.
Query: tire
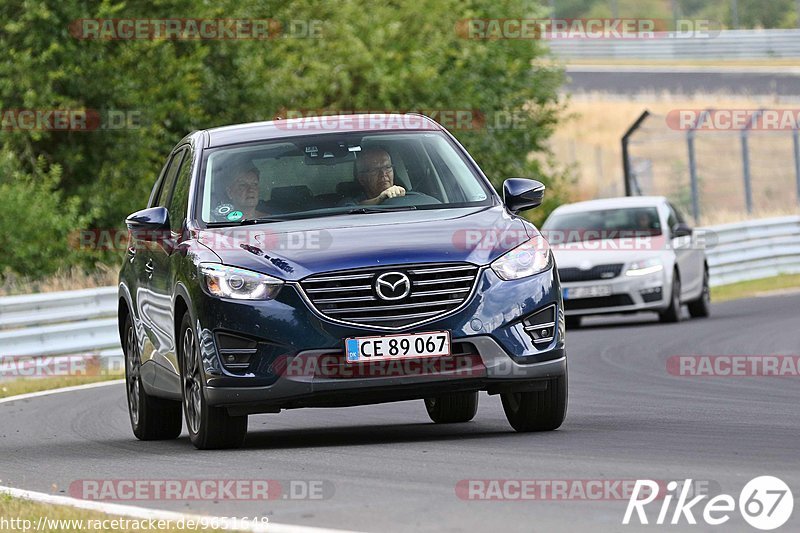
{"points": [[673, 312], [701, 308], [452, 408], [572, 322], [151, 418], [538, 410], [209, 427]]}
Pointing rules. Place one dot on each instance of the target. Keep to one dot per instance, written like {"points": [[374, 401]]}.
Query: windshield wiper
{"points": [[365, 210], [247, 221], [263, 220]]}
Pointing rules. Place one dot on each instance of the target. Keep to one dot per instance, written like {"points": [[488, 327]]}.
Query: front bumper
{"points": [[625, 295], [492, 370], [297, 349]]}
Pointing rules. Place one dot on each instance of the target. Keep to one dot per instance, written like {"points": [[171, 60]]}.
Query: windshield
{"points": [[603, 224], [327, 175]]}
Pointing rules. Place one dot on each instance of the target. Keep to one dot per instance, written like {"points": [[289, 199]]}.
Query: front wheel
{"points": [[452, 408], [209, 427], [537, 410], [673, 312], [151, 418], [701, 308]]}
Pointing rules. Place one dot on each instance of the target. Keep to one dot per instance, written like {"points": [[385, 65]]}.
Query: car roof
{"points": [[612, 203], [314, 125]]}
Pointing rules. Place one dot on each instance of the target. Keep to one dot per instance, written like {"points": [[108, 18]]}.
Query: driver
{"points": [[375, 173]]}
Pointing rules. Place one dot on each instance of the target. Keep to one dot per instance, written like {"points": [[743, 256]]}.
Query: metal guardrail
{"points": [[57, 323], [754, 250], [727, 44], [84, 321]]}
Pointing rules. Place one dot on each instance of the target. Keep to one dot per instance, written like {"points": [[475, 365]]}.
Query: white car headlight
{"points": [[238, 283], [529, 258], [643, 268]]}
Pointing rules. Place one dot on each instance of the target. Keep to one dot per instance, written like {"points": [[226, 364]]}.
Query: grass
{"points": [[22, 509], [26, 385], [66, 280], [748, 289]]}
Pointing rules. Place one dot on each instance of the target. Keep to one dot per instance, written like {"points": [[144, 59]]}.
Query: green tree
{"points": [[395, 55]]}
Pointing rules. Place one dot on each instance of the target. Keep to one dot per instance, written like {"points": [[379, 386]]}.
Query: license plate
{"points": [[587, 292], [360, 349]]}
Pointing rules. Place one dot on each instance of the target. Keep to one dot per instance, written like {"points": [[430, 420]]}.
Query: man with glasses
{"points": [[375, 173]]}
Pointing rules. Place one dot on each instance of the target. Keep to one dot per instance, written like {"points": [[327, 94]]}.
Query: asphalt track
{"points": [[393, 470], [781, 82]]}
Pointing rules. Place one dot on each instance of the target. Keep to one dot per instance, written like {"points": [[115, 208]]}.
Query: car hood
{"points": [[292, 250]]}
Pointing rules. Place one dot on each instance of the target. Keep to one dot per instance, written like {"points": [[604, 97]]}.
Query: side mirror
{"points": [[149, 224], [681, 229], [520, 194]]}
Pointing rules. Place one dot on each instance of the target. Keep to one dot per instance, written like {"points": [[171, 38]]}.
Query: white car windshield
{"points": [[606, 223]]}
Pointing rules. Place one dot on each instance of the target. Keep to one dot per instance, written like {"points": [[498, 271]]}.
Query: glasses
{"points": [[378, 171]]}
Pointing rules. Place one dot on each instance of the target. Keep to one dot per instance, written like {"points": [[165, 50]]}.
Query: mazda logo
{"points": [[392, 286]]}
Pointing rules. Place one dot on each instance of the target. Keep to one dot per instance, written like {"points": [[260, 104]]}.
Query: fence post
{"points": [[748, 186], [693, 165], [748, 193], [626, 163], [693, 175], [796, 142]]}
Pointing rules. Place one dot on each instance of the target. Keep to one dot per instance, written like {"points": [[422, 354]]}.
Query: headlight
{"points": [[238, 283], [643, 268], [527, 259]]}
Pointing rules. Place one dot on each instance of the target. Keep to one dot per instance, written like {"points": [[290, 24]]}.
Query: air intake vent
{"points": [[391, 297], [598, 272]]}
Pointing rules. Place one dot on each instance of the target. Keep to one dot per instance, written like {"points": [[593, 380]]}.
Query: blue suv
{"points": [[335, 261]]}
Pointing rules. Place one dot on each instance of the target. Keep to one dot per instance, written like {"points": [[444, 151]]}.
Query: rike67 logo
{"points": [[765, 503]]}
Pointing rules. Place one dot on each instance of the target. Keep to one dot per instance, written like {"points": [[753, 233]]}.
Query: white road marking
{"points": [[131, 511]]}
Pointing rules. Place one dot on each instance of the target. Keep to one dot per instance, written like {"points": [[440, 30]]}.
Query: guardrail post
{"points": [[748, 193], [796, 142]]}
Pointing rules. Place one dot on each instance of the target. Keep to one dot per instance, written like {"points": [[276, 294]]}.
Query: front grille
{"points": [[615, 300], [598, 272], [352, 296]]}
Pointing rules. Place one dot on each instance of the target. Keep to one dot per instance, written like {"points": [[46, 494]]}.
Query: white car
{"points": [[625, 255]]}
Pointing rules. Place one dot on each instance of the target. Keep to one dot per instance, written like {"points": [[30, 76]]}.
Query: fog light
{"points": [[541, 326], [652, 294]]}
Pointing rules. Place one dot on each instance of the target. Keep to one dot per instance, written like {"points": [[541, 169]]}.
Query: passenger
{"points": [[242, 189], [644, 221]]}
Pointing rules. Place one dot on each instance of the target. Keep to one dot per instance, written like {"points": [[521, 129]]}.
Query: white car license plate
{"points": [[434, 343], [587, 292]]}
